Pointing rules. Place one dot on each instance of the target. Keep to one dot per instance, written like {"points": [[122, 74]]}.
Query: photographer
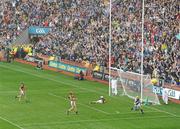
{"points": [[39, 65], [79, 76]]}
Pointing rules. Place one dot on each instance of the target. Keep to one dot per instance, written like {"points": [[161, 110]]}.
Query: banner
{"points": [[30, 58], [101, 76], [67, 67], [106, 77], [157, 90], [171, 93], [37, 30], [33, 59], [98, 75]]}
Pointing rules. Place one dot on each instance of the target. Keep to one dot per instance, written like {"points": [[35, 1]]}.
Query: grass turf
{"points": [[47, 105]]}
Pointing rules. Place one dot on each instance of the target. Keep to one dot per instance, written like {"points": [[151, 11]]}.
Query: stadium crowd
{"points": [[161, 47], [80, 31]]}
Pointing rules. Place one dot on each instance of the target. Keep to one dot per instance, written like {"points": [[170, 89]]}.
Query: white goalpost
{"points": [[129, 83], [110, 38]]}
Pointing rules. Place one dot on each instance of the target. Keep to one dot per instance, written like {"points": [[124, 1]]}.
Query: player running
{"points": [[137, 105], [73, 100], [101, 100], [22, 91]]}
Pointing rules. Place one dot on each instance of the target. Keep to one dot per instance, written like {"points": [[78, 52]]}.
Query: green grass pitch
{"points": [[47, 106]]}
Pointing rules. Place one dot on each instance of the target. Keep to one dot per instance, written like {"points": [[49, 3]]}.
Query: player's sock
{"points": [[142, 111], [76, 112]]}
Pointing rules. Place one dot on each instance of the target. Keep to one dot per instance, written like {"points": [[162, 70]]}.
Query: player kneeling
{"points": [[101, 100], [137, 105]]}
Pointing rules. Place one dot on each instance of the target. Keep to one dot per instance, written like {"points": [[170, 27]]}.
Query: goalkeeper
{"points": [[137, 105], [101, 100]]}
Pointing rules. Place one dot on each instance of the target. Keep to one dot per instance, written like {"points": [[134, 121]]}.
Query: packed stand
{"points": [[81, 34], [161, 48], [18, 15]]}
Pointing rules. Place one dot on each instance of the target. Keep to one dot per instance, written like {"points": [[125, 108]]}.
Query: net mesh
{"points": [[129, 84]]}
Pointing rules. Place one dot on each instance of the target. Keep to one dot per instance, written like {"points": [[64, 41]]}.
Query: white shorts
{"points": [[138, 106], [99, 101], [21, 92], [73, 103]]}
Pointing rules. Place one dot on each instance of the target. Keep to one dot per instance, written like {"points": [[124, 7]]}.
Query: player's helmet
{"points": [[101, 97]]}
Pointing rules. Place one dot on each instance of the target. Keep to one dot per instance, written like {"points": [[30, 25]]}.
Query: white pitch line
{"points": [[11, 122], [133, 112], [172, 114], [34, 91], [81, 104], [93, 120]]}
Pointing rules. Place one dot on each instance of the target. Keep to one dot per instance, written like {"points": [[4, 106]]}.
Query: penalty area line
{"points": [[12, 123], [93, 108]]}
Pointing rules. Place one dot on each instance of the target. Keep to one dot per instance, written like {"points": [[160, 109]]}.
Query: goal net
{"points": [[129, 84]]}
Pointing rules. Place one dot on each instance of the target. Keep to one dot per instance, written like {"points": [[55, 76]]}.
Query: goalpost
{"points": [[129, 84]]}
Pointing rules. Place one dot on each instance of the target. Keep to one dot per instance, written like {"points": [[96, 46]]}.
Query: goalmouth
{"points": [[129, 84]]}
